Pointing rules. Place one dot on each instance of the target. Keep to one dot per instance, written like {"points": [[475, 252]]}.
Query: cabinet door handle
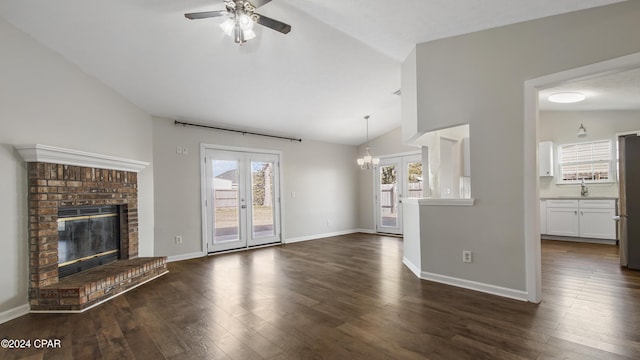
{"points": [[575, 212]]}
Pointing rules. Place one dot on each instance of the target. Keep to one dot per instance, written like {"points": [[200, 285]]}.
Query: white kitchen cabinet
{"points": [[545, 158], [543, 217], [596, 219], [581, 218], [563, 221]]}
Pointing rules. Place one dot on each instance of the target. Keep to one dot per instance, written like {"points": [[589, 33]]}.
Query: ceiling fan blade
{"points": [[273, 24], [205, 14], [258, 3]]}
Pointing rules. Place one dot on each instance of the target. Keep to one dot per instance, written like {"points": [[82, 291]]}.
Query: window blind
{"points": [[590, 161]]}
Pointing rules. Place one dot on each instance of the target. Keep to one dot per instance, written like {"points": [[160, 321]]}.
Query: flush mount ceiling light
{"points": [[367, 162], [566, 97], [241, 17]]}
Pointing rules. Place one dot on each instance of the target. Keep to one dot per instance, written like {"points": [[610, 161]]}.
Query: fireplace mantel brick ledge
{"points": [[54, 185]]}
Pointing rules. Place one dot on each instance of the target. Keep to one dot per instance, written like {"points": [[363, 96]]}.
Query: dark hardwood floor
{"points": [[349, 297]]}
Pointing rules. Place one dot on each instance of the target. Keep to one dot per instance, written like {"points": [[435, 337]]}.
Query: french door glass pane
{"points": [[388, 196], [226, 202], [262, 199], [414, 180]]}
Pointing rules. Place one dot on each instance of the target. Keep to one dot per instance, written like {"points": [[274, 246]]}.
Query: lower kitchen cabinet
{"points": [[562, 217], [581, 218], [597, 223]]}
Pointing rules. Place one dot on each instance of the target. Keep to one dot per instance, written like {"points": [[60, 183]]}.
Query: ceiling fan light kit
{"points": [[241, 18]]}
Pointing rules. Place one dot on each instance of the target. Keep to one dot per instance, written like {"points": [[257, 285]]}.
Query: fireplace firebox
{"points": [[88, 236]]}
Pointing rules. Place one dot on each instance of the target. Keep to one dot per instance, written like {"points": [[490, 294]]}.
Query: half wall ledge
{"points": [[445, 202]]}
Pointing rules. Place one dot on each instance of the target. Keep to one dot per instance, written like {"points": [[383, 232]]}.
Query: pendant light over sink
{"points": [[582, 131]]}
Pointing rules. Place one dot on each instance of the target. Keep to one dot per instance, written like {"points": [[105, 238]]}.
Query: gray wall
{"points": [[45, 99], [323, 176], [561, 128], [478, 79]]}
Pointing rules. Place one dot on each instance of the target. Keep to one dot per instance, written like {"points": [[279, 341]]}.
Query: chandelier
{"points": [[367, 162]]}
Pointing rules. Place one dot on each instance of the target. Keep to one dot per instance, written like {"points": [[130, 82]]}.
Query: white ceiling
{"points": [[340, 62], [618, 91]]}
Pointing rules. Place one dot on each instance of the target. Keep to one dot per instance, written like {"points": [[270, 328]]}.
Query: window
{"points": [[590, 161]]}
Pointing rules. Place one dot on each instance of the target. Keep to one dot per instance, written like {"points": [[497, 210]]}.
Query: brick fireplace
{"points": [[60, 178]]}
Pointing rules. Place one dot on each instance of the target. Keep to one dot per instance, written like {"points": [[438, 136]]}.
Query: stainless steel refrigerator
{"points": [[629, 156]]}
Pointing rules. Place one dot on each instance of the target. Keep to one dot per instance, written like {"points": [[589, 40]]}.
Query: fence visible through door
{"points": [[241, 199], [395, 177]]}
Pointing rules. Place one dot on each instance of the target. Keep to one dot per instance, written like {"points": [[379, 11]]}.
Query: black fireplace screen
{"points": [[87, 237]]}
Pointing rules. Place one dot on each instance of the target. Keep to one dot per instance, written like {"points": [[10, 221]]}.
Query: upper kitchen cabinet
{"points": [[545, 158]]}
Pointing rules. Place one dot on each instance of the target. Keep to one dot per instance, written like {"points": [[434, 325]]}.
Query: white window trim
{"points": [[612, 164]]}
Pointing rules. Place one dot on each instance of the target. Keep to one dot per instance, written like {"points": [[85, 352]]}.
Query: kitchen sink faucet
{"points": [[584, 190]]}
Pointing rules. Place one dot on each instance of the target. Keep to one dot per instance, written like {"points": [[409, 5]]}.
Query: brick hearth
{"points": [[52, 186], [85, 289]]}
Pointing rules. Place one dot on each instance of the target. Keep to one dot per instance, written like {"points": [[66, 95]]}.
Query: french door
{"points": [[242, 199], [395, 178]]}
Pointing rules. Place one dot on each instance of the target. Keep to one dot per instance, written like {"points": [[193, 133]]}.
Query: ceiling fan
{"points": [[240, 19]]}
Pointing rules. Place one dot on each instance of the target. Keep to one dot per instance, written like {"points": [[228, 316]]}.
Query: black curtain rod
{"points": [[236, 131]]}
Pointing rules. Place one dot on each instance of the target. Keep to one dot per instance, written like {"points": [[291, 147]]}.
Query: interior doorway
{"points": [[241, 190], [531, 184]]}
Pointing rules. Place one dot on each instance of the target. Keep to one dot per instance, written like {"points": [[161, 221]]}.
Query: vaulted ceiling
{"points": [[340, 62]]}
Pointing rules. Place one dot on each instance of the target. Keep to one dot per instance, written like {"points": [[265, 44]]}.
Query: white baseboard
{"points": [[322, 236], [477, 286], [577, 239], [366, 231], [413, 267], [16, 312], [185, 256], [286, 241]]}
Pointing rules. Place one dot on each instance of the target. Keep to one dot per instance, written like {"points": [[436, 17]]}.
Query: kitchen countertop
{"points": [[578, 198]]}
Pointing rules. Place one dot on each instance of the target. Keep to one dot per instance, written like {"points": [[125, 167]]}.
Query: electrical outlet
{"points": [[178, 239], [179, 150], [185, 151], [467, 256]]}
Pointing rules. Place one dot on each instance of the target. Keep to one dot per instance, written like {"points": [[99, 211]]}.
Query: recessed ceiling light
{"points": [[566, 97]]}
